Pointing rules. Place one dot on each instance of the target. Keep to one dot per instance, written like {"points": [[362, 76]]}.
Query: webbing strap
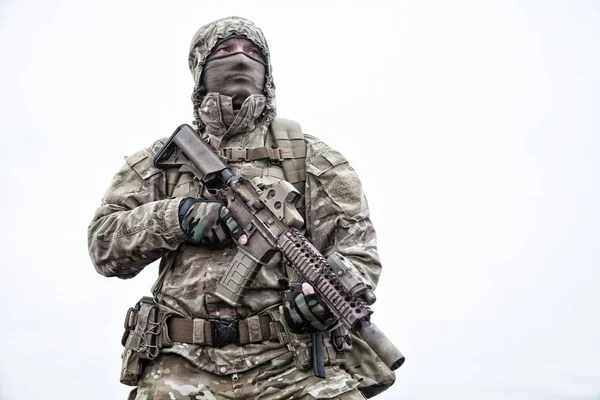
{"points": [[287, 134], [291, 151], [261, 153], [295, 176]]}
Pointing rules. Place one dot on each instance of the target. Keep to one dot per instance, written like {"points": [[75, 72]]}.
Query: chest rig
{"points": [[286, 160]]}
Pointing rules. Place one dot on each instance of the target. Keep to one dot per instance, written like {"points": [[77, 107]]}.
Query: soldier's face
{"points": [[235, 68], [236, 45]]}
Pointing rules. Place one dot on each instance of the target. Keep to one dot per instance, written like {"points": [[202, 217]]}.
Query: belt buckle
{"points": [[238, 153], [225, 332]]}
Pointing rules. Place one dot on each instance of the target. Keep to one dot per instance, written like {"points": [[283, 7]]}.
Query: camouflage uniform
{"points": [[138, 223]]}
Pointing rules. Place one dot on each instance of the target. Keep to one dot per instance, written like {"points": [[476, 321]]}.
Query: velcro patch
{"points": [[142, 164], [324, 161]]}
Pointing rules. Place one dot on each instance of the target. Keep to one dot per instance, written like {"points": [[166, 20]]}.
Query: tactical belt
{"points": [[219, 333]]}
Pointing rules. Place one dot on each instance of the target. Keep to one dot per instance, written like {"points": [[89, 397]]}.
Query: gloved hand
{"points": [[304, 310], [209, 223]]}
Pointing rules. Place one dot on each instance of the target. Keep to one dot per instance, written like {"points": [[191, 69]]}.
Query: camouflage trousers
{"points": [[172, 377]]}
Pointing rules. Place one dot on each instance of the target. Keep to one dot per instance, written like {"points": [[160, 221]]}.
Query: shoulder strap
{"points": [[290, 151], [287, 134]]}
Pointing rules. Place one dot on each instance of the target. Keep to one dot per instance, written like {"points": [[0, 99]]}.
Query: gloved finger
{"points": [[218, 236], [306, 310], [222, 236], [234, 228], [317, 306], [319, 309], [304, 306], [198, 217], [292, 315]]}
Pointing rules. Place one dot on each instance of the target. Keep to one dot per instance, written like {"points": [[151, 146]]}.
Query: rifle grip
{"points": [[233, 285]]}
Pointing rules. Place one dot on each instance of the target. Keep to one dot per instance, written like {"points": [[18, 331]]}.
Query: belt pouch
{"points": [[140, 339]]}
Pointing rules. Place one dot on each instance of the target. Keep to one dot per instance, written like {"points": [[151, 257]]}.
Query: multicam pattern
{"points": [[138, 223], [171, 377], [200, 218], [208, 222], [306, 313]]}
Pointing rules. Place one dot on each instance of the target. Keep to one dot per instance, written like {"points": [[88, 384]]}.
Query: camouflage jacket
{"points": [[137, 222]]}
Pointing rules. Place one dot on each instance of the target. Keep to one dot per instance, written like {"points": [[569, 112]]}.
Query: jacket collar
{"points": [[222, 123]]}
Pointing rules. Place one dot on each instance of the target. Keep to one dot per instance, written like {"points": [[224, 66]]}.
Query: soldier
{"points": [[192, 344]]}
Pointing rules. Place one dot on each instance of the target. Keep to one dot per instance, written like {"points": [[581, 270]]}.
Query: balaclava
{"points": [[237, 75], [219, 68]]}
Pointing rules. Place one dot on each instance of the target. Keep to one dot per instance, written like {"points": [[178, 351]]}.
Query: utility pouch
{"points": [[363, 364], [298, 344], [141, 339], [341, 339], [301, 346]]}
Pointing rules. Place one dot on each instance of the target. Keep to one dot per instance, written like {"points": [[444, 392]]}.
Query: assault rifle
{"points": [[271, 221]]}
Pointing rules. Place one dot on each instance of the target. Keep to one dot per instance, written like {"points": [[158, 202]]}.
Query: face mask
{"points": [[236, 75]]}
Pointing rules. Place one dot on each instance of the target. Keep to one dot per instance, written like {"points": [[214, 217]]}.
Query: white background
{"points": [[473, 126]]}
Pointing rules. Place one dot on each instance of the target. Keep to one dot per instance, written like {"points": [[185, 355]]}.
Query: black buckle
{"points": [[225, 332]]}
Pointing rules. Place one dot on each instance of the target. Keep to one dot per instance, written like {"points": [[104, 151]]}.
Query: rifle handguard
{"points": [[352, 311]]}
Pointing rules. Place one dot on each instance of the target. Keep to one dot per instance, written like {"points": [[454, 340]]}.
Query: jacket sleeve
{"points": [[136, 224], [337, 210]]}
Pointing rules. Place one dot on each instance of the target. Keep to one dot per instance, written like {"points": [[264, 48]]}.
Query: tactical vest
{"points": [[290, 154], [290, 151]]}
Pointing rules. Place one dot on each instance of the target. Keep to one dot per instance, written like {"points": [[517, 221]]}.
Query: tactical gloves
{"points": [[208, 222], [306, 313]]}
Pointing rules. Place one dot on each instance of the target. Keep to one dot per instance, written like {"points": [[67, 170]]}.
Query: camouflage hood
{"points": [[205, 40]]}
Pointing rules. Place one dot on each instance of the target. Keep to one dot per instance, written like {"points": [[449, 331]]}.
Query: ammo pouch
{"points": [[141, 339]]}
